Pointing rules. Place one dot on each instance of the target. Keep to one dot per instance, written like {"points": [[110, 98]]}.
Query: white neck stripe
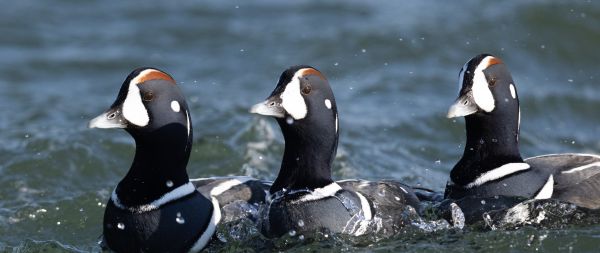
{"points": [[547, 189], [210, 229], [497, 173], [175, 194]]}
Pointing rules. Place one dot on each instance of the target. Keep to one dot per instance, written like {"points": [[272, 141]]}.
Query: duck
{"points": [[156, 207], [491, 166], [304, 197]]}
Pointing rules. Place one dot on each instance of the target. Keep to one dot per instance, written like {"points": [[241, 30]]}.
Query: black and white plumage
{"points": [[304, 197], [155, 207], [491, 164]]}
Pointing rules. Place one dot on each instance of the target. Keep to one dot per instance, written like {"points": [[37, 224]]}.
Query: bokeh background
{"points": [[393, 67]]}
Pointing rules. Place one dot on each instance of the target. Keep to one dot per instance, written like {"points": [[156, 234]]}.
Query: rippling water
{"points": [[392, 66]]}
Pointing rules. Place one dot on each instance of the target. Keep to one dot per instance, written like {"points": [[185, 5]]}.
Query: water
{"points": [[393, 68]]}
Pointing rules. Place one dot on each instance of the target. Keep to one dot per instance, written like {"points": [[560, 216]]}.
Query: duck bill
{"points": [[463, 106], [269, 107], [112, 118]]}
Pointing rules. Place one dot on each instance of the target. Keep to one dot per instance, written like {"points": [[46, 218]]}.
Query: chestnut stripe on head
{"points": [[492, 61], [311, 71], [151, 74]]}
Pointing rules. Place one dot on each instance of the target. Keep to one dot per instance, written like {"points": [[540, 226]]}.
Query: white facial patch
{"points": [[481, 92], [328, 103], [175, 106], [291, 99], [133, 109], [513, 93]]}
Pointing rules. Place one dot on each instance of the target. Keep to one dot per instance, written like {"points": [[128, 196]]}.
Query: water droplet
{"points": [[99, 204], [260, 157], [483, 202], [570, 80], [120, 226], [289, 120], [81, 209], [297, 158], [438, 162], [58, 223], [292, 232], [481, 141], [179, 219], [363, 50], [169, 183], [336, 64], [396, 198], [326, 236], [543, 46], [27, 136], [300, 223], [494, 140], [301, 237], [572, 142]]}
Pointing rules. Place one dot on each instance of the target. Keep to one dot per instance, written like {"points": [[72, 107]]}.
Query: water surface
{"points": [[393, 68]]}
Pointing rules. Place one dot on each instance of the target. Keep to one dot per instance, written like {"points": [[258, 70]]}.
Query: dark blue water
{"points": [[393, 67]]}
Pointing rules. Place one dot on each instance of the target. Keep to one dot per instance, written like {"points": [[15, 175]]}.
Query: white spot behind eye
{"points": [[481, 92], [512, 91], [328, 103], [291, 99], [133, 108], [175, 106]]}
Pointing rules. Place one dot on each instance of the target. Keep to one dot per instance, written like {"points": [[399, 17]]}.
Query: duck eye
{"points": [[492, 81], [148, 96], [306, 89], [112, 115]]}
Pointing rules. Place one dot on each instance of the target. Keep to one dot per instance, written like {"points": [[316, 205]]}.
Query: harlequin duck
{"points": [[491, 164], [155, 207], [304, 198]]}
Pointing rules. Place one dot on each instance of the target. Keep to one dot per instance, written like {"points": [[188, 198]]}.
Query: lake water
{"points": [[393, 68]]}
